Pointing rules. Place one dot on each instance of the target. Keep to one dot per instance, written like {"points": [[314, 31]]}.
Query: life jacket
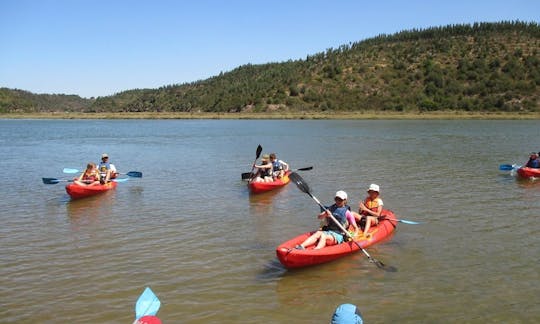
{"points": [[90, 177], [339, 214], [103, 167], [277, 166], [533, 163], [265, 172], [372, 205]]}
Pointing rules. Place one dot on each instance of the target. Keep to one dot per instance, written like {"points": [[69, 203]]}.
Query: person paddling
{"points": [[107, 170], [90, 176], [264, 170], [331, 234], [534, 161]]}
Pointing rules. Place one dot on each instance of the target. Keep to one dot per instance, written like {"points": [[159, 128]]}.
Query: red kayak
{"points": [[76, 191], [525, 172], [295, 258], [259, 187]]}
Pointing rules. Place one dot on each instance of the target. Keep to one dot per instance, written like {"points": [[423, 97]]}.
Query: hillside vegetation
{"points": [[479, 67]]}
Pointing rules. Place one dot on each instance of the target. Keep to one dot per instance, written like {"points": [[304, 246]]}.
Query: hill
{"points": [[20, 101], [478, 67]]}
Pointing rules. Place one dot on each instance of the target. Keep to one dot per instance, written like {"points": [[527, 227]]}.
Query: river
{"points": [[190, 230]]}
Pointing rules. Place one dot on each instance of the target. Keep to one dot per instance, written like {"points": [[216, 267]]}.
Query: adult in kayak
{"points": [[107, 170], [371, 208], [90, 176], [278, 167], [534, 161], [331, 234], [264, 170]]}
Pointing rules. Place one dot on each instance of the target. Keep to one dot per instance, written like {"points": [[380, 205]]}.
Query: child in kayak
{"points": [[278, 167], [371, 208], [331, 234], [264, 170], [90, 176]]}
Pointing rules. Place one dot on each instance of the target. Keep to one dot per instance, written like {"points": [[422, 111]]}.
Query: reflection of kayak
{"points": [[295, 258], [76, 191], [258, 187], [525, 172]]}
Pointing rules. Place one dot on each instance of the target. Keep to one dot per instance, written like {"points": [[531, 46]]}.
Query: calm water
{"points": [[190, 230]]}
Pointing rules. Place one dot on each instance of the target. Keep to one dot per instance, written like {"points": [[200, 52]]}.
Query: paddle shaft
{"points": [[343, 229], [257, 154]]}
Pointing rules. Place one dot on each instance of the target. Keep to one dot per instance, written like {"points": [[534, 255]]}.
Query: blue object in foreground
{"points": [[347, 314], [147, 304]]}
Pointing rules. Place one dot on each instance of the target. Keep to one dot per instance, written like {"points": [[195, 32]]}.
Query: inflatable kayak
{"points": [[259, 187], [295, 258], [525, 172], [76, 191]]}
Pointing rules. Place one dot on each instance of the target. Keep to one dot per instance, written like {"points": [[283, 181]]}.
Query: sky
{"points": [[102, 47]]}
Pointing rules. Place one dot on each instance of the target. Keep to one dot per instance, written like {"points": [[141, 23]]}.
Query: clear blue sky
{"points": [[101, 47]]}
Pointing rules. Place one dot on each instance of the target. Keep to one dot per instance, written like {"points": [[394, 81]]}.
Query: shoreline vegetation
{"points": [[358, 115]]}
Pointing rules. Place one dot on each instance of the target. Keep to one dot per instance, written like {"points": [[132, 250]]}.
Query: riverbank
{"points": [[279, 115]]}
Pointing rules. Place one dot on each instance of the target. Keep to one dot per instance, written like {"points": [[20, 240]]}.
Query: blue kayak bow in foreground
{"points": [[147, 305]]}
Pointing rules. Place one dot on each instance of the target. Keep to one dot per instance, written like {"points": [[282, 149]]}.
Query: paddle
{"points": [[55, 181], [508, 167], [147, 305], [247, 175], [134, 174], [404, 221], [303, 186]]}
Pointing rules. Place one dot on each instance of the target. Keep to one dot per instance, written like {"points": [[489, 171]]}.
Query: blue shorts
{"points": [[337, 237]]}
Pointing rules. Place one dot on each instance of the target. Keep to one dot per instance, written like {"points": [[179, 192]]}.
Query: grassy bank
{"points": [[298, 115]]}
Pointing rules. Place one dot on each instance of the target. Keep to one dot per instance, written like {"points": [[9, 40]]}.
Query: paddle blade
{"points": [[246, 175], [68, 170], [134, 174], [305, 169], [404, 221], [506, 167], [50, 180], [384, 267], [120, 179], [147, 304], [299, 182], [258, 152]]}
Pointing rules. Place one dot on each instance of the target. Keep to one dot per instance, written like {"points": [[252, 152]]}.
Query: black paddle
{"points": [[303, 186], [247, 175]]}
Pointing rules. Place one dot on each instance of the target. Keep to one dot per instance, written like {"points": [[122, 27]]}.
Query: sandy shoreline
{"points": [[295, 115]]}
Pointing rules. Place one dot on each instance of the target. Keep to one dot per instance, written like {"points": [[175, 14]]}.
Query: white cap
{"points": [[341, 194], [373, 187], [104, 155]]}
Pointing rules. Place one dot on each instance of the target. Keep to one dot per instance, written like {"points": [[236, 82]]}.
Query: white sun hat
{"points": [[341, 194], [373, 187]]}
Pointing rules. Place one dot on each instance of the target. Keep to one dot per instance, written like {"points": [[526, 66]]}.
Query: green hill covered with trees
{"points": [[478, 67]]}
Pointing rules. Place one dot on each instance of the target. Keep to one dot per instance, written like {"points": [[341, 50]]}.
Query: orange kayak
{"points": [[260, 187], [295, 258], [76, 191], [525, 172]]}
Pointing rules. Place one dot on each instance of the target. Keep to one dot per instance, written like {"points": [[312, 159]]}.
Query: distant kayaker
{"points": [[331, 234], [264, 170], [107, 170], [371, 208], [278, 167], [90, 176], [534, 161]]}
